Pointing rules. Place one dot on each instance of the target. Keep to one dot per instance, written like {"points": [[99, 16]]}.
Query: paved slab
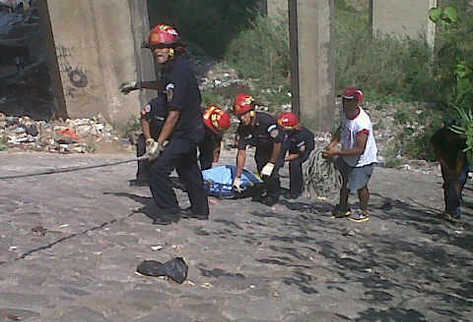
{"points": [[70, 244]]}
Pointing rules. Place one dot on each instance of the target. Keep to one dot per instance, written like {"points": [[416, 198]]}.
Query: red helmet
{"points": [[354, 93], [163, 36], [216, 119], [288, 120], [243, 103]]}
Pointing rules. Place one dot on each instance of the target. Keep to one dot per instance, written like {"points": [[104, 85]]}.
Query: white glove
{"points": [[127, 87], [153, 149], [237, 185], [267, 169]]}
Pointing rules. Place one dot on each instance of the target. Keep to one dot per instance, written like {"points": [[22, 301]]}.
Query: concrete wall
{"points": [[403, 17], [313, 61], [96, 47], [276, 7]]}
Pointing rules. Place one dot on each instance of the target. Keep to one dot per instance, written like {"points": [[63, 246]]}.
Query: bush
{"points": [[262, 51], [382, 65]]}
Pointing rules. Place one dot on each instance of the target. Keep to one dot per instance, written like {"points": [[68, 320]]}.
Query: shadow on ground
{"points": [[149, 208]]}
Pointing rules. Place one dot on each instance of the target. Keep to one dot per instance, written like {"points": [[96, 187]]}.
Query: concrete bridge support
{"points": [[94, 46], [313, 61]]}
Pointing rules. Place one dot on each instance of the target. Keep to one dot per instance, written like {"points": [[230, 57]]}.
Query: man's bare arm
{"points": [[240, 162]]}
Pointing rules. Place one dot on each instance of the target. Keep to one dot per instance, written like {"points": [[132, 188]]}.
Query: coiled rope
{"points": [[321, 178]]}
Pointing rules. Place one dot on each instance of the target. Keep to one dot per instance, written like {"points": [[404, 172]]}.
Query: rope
{"points": [[321, 178], [71, 169]]}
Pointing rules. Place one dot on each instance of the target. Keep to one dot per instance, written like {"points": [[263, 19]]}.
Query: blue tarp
{"points": [[219, 181]]}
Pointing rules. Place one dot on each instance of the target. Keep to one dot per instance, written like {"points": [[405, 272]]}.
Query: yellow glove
{"points": [[267, 170], [153, 149], [237, 185]]}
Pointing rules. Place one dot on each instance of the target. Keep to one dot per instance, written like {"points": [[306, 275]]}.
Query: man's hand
{"points": [[329, 151], [153, 149], [267, 170], [237, 185], [127, 87]]}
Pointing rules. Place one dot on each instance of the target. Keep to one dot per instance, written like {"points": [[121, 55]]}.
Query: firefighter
{"points": [[182, 131], [261, 130], [299, 143], [449, 150], [216, 121]]}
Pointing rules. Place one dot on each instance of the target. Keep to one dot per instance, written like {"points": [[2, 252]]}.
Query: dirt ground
{"points": [[70, 244]]}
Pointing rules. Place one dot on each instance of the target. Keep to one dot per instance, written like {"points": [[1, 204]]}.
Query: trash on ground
{"points": [[176, 269]]}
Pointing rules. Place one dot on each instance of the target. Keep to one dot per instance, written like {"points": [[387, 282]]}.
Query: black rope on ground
{"points": [[70, 169]]}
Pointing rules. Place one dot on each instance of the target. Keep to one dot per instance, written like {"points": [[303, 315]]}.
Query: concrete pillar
{"points": [[95, 47], [404, 18], [313, 61]]}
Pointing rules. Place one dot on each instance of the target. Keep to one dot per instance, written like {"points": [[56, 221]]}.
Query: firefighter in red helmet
{"points": [[261, 130], [183, 129], [216, 121], [298, 144]]}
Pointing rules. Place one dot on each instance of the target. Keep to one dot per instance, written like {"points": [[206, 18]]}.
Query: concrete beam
{"points": [[96, 47], [313, 61]]}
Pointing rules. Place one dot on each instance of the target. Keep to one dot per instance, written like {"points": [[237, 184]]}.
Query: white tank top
{"points": [[348, 131]]}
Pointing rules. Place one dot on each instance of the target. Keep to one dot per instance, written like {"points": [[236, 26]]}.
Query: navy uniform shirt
{"points": [[183, 95], [211, 137], [299, 141], [155, 112], [265, 132]]}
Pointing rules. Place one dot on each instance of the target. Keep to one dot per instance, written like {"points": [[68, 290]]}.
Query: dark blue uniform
{"points": [[155, 112], [182, 94], [449, 149], [263, 135], [207, 147], [298, 142]]}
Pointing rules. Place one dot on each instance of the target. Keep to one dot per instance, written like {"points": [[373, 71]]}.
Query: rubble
{"points": [[69, 136]]}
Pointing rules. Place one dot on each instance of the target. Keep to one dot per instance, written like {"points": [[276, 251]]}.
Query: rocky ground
{"points": [[71, 242]]}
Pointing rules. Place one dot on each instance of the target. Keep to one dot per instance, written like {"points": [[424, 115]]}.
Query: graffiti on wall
{"points": [[76, 75]]}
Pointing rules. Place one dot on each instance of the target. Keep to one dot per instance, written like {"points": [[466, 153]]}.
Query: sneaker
{"points": [[359, 216], [451, 218], [338, 212]]}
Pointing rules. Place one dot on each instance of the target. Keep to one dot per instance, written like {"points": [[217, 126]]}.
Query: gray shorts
{"points": [[356, 177]]}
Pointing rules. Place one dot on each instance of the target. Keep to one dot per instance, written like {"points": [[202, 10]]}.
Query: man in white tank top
{"points": [[357, 155]]}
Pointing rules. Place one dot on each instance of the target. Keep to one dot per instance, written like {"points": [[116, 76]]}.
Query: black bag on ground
{"points": [[176, 269]]}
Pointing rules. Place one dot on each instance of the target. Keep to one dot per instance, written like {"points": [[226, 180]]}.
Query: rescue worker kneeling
{"points": [[152, 118], [216, 121], [183, 129], [261, 130], [299, 143]]}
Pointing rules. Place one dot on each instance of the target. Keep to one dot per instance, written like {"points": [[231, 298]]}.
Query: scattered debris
{"points": [[69, 136], [39, 230], [206, 285], [9, 316]]}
